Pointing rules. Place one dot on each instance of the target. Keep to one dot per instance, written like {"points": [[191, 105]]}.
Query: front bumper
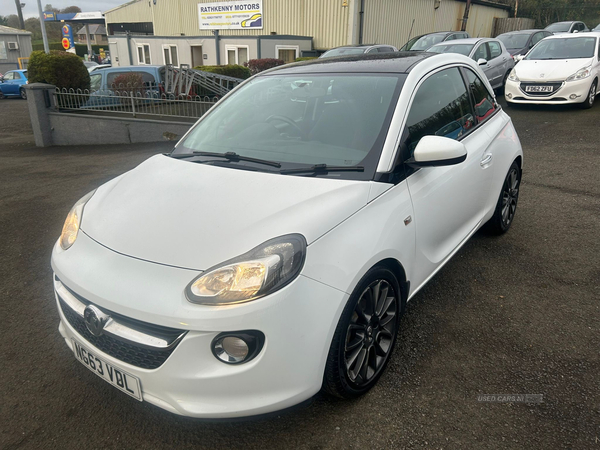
{"points": [[579, 89], [298, 322]]}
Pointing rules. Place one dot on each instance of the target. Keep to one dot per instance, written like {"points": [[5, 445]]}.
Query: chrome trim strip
{"points": [[115, 328]]}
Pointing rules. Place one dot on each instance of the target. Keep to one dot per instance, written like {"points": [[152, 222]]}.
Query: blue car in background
{"points": [[12, 84]]}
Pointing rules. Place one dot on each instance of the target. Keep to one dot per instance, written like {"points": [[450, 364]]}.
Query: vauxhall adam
{"points": [[272, 253]]}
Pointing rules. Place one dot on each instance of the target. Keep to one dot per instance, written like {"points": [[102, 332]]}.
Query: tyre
{"points": [[23, 93], [589, 101], [365, 335], [506, 207], [501, 88]]}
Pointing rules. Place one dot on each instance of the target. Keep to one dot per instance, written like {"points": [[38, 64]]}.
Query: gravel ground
{"points": [[518, 314]]}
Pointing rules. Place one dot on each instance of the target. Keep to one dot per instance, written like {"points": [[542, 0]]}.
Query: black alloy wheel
{"points": [[506, 207], [23, 94], [365, 335]]}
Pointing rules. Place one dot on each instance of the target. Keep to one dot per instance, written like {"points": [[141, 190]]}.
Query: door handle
{"points": [[486, 160]]}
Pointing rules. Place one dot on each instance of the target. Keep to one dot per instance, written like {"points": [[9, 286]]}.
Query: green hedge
{"points": [[306, 58], [39, 46], [62, 69], [232, 70]]}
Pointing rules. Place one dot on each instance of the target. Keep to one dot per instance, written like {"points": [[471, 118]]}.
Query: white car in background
{"points": [[272, 253], [490, 54], [560, 69]]}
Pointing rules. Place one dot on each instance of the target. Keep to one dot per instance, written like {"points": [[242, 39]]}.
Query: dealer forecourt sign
{"points": [[235, 15]]}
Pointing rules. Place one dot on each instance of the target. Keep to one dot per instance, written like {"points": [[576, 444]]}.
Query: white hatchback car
{"points": [[272, 253], [560, 69]]}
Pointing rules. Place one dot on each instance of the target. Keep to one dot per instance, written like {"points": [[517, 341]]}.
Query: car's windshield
{"points": [[424, 42], [299, 120], [559, 27], [514, 40], [463, 49], [343, 51], [564, 48]]}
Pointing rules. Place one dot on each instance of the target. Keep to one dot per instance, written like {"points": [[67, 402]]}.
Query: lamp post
{"points": [[43, 25]]}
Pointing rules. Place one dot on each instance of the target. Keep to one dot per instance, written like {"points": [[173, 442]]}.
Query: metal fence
{"points": [[134, 102]]}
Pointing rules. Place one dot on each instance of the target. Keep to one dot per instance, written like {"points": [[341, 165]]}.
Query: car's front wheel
{"points": [[589, 101], [365, 335], [506, 207], [23, 93]]}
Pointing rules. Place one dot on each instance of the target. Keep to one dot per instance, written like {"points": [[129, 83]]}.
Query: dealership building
{"points": [[198, 32]]}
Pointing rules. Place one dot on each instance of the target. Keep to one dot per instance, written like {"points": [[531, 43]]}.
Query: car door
{"points": [[448, 201], [481, 51], [11, 86], [498, 62]]}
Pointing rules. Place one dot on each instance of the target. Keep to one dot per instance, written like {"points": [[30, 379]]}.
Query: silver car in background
{"points": [[491, 55]]}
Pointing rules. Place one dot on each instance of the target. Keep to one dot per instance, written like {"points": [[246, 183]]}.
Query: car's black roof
{"points": [[393, 62]]}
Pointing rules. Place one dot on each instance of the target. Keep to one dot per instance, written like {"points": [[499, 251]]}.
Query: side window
{"points": [[451, 37], [537, 37], [495, 49], [16, 76], [440, 107], [8, 76], [95, 82], [384, 49], [485, 105], [481, 52]]}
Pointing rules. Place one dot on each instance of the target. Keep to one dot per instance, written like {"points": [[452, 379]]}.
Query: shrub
{"points": [[62, 69], [306, 58], [232, 70], [258, 65], [39, 46]]}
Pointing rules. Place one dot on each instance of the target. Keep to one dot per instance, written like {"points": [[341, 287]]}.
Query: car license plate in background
{"points": [[538, 89], [117, 377]]}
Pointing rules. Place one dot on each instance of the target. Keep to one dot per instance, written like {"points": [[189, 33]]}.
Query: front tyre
{"points": [[23, 94], [589, 101], [506, 207], [365, 335]]}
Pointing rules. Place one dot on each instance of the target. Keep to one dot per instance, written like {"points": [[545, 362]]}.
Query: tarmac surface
{"points": [[516, 314]]}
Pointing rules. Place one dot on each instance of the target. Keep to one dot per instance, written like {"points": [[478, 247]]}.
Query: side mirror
{"points": [[482, 61], [438, 151], [575, 31], [519, 58]]}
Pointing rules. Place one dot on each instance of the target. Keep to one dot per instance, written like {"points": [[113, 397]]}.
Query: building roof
{"points": [[9, 30], [94, 29], [393, 62]]}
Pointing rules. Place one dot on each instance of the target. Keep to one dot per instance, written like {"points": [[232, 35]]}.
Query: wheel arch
{"points": [[398, 269]]}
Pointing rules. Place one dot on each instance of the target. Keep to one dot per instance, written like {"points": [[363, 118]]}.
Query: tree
{"points": [[4, 20], [13, 21], [546, 12], [70, 10]]}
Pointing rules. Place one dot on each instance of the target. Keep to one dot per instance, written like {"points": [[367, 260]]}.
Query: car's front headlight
{"points": [[512, 76], [263, 270], [72, 223], [581, 74]]}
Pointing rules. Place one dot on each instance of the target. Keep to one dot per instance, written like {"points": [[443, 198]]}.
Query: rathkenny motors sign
{"points": [[236, 15]]}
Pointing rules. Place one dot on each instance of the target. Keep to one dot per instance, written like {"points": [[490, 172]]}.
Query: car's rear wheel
{"points": [[591, 97], [23, 93], [365, 335], [506, 207]]}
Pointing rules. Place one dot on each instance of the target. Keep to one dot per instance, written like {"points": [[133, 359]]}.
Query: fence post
{"points": [[40, 101], [132, 103]]}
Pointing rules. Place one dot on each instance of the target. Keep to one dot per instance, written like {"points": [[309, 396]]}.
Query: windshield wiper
{"points": [[232, 156], [323, 168]]}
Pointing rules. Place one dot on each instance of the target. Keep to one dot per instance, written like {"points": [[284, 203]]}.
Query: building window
{"points": [[92, 38], [170, 55], [287, 53], [144, 54], [236, 54]]}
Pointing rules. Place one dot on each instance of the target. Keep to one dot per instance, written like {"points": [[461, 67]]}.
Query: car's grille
{"points": [[129, 352], [554, 99], [555, 87]]}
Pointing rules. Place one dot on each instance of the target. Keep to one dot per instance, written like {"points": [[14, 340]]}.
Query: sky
{"points": [[8, 7]]}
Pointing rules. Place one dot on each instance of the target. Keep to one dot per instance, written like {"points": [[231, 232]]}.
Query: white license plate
{"points": [[538, 88], [117, 377]]}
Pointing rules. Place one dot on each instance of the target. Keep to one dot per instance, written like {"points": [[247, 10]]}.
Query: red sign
{"points": [[66, 44]]}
